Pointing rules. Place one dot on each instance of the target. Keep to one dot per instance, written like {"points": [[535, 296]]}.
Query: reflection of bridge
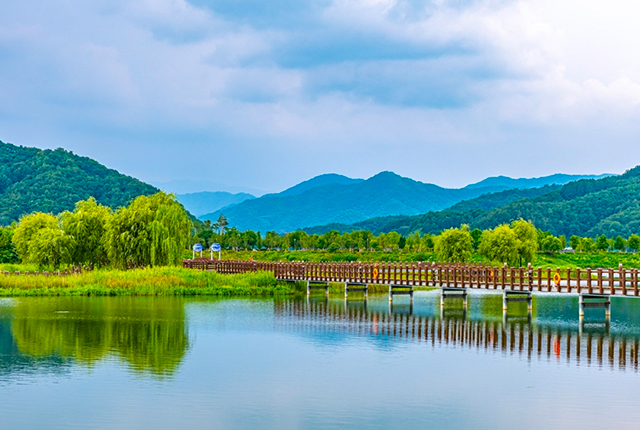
{"points": [[517, 283], [591, 345]]}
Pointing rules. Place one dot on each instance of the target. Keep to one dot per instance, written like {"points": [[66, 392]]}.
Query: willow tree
{"points": [[39, 239], [454, 244], [500, 244], [151, 231], [87, 226], [527, 240]]}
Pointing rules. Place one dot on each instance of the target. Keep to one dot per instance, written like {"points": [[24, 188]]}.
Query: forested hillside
{"points": [[383, 194], [53, 181], [609, 206], [335, 198]]}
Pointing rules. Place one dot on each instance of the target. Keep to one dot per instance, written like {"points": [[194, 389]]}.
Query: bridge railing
{"points": [[606, 281]]}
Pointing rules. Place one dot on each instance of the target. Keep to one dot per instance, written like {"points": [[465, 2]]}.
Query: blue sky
{"points": [[266, 94]]}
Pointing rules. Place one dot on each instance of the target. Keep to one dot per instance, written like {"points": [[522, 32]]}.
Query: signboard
{"points": [[197, 247], [215, 247]]}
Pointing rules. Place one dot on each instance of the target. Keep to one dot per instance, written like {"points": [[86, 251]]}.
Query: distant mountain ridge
{"points": [[33, 179], [319, 181], [207, 202], [338, 199], [587, 207], [506, 182], [191, 186]]}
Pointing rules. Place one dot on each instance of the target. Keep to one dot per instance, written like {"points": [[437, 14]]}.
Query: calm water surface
{"points": [[167, 363]]}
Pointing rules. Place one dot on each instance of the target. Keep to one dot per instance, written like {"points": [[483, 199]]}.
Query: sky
{"points": [[265, 94]]}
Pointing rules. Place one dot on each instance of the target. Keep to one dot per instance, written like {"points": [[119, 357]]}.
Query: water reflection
{"points": [[149, 334], [518, 332]]}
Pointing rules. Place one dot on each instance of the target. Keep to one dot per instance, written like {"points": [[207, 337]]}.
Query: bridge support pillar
{"points": [[455, 293], [395, 289], [517, 296], [594, 301], [356, 286], [317, 285]]}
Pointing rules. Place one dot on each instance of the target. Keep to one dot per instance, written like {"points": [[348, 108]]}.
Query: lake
{"points": [[166, 363]]}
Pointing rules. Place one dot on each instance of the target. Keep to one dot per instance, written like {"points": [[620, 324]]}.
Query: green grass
{"points": [[592, 260], [164, 281]]}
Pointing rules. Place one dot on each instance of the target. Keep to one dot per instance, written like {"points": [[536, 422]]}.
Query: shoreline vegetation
{"points": [[162, 281]]}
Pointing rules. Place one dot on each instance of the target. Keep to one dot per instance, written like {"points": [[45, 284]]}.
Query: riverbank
{"points": [[162, 281]]}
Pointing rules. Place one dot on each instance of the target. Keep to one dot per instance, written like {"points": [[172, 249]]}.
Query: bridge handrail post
{"points": [[600, 281], [521, 278], [611, 283]]}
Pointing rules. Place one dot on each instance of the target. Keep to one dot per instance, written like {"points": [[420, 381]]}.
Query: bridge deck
{"points": [[599, 281]]}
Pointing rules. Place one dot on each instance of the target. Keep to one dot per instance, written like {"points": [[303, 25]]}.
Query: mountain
{"points": [[53, 181], [189, 186], [318, 181], [344, 201], [587, 207], [504, 182], [207, 202], [433, 221]]}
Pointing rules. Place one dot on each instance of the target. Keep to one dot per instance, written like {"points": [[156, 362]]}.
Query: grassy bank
{"points": [[164, 281]]}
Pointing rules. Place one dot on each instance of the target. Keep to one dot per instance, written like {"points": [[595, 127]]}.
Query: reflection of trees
{"points": [[148, 333]]}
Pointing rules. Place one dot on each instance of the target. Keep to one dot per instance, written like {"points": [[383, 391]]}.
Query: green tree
{"points": [[634, 242], [476, 234], [413, 241], [601, 243], [86, 227], [222, 224], [271, 240], [500, 244], [574, 242], [402, 242], [297, 239], [552, 244], [426, 242], [50, 247], [152, 231], [526, 240], [620, 244], [455, 244], [587, 244], [250, 239], [28, 228], [8, 252]]}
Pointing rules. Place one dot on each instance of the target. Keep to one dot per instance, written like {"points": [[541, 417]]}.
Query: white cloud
{"points": [[364, 79]]}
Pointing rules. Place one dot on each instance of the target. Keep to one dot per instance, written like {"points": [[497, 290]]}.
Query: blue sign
{"points": [[197, 247], [215, 247]]}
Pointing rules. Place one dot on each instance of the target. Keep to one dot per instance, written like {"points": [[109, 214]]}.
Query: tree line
{"points": [[514, 243], [155, 230], [151, 231]]}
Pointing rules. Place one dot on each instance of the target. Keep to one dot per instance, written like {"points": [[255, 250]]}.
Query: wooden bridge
{"points": [[517, 284]]}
